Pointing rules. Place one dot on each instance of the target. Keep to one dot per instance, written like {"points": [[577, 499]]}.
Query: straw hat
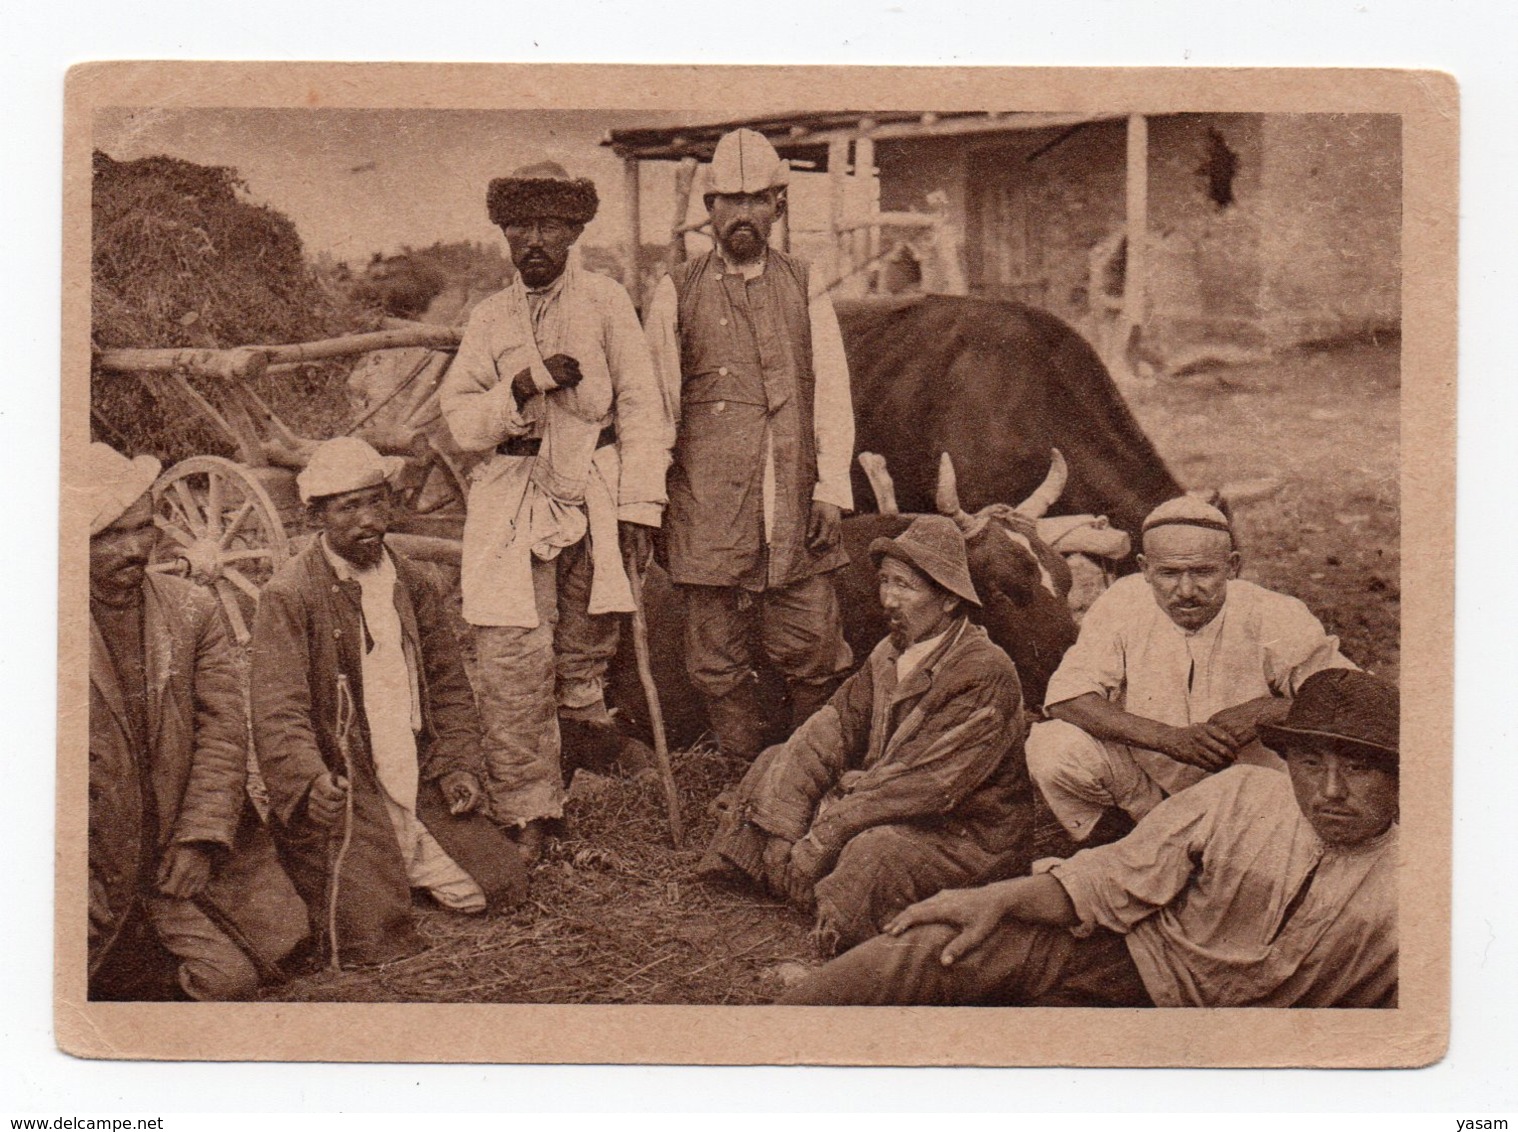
{"points": [[1350, 710]]}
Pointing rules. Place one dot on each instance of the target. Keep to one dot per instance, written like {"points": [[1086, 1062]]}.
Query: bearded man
{"points": [[365, 726], [911, 778], [553, 377], [186, 897], [751, 361]]}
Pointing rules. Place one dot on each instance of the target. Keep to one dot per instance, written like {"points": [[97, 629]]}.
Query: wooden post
{"points": [[1135, 282], [631, 201], [838, 200], [685, 178], [866, 240]]}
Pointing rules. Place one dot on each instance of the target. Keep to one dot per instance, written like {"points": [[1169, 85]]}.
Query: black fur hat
{"points": [[541, 191]]}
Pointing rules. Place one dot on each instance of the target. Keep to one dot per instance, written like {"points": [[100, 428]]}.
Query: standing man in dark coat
{"points": [[365, 725], [751, 361], [181, 869]]}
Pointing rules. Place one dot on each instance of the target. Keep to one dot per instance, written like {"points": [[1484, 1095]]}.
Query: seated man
{"points": [[1253, 888], [365, 726], [186, 896], [1172, 675], [911, 778]]}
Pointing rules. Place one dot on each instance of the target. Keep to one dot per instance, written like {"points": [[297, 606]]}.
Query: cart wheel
{"points": [[219, 528]]}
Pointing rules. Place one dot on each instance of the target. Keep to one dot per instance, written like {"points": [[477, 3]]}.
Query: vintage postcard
{"points": [[756, 565]]}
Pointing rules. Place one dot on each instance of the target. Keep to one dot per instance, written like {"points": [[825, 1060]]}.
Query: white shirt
{"points": [[913, 655], [1133, 655]]}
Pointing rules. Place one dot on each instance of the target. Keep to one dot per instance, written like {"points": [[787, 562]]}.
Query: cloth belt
{"points": [[529, 445]]}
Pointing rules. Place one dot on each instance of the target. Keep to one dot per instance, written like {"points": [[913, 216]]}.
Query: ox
{"points": [[996, 384]]}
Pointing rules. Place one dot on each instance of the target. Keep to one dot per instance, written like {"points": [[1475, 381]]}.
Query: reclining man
{"points": [[186, 896], [911, 778], [365, 725], [1173, 674], [1252, 888]]}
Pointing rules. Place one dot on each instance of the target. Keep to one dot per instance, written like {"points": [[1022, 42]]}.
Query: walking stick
{"points": [[655, 712], [345, 713]]}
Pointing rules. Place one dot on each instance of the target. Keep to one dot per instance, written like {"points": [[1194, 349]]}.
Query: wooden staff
{"points": [[345, 713], [655, 712]]}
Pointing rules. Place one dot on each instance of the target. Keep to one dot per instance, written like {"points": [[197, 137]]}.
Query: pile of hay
{"points": [[181, 257]]}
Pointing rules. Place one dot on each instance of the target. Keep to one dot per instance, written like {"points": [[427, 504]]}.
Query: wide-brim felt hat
{"points": [[933, 545], [115, 483], [1351, 711], [543, 191]]}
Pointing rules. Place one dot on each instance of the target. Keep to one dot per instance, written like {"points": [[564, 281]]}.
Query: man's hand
{"points": [[461, 790], [825, 527], [326, 799], [1204, 745], [777, 861], [185, 871], [564, 370], [523, 388], [637, 543], [976, 912], [1238, 724], [803, 871]]}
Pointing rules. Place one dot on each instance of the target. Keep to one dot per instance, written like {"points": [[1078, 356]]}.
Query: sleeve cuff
{"points": [[842, 498], [646, 514], [541, 377]]}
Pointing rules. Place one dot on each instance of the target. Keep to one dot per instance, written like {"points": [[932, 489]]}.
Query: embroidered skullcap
{"points": [[1187, 511]]}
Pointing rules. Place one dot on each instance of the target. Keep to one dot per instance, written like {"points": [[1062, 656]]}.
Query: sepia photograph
{"points": [[904, 552]]}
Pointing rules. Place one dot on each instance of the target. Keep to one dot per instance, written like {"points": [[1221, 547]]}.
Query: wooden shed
{"points": [[1177, 230]]}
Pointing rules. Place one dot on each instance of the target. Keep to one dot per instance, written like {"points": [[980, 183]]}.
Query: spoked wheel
{"points": [[219, 528]]}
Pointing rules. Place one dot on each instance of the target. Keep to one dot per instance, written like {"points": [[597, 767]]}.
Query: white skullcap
{"points": [[345, 464]]}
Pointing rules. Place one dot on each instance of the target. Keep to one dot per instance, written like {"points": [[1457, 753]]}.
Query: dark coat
{"points": [[308, 631], [942, 749], [197, 736]]}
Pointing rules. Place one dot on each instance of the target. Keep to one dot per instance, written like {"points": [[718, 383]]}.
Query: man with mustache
{"points": [[750, 358], [186, 897], [911, 778], [1173, 675], [365, 726], [1253, 888], [553, 378]]}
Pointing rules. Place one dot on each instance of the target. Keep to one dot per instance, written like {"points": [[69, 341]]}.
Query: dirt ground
{"points": [[616, 915]]}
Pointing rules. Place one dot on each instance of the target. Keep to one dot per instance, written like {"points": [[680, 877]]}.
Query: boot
{"points": [[807, 699], [738, 722]]}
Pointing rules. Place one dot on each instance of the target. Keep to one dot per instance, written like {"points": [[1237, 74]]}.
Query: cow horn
{"points": [[947, 495], [881, 484], [1048, 492]]}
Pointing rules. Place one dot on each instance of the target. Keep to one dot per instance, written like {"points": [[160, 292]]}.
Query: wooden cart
{"points": [[230, 523]]}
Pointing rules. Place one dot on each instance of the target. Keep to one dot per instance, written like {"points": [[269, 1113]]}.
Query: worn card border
{"points": [[1415, 1033]]}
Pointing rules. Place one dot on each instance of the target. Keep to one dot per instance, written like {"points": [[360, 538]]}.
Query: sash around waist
{"points": [[529, 445]]}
